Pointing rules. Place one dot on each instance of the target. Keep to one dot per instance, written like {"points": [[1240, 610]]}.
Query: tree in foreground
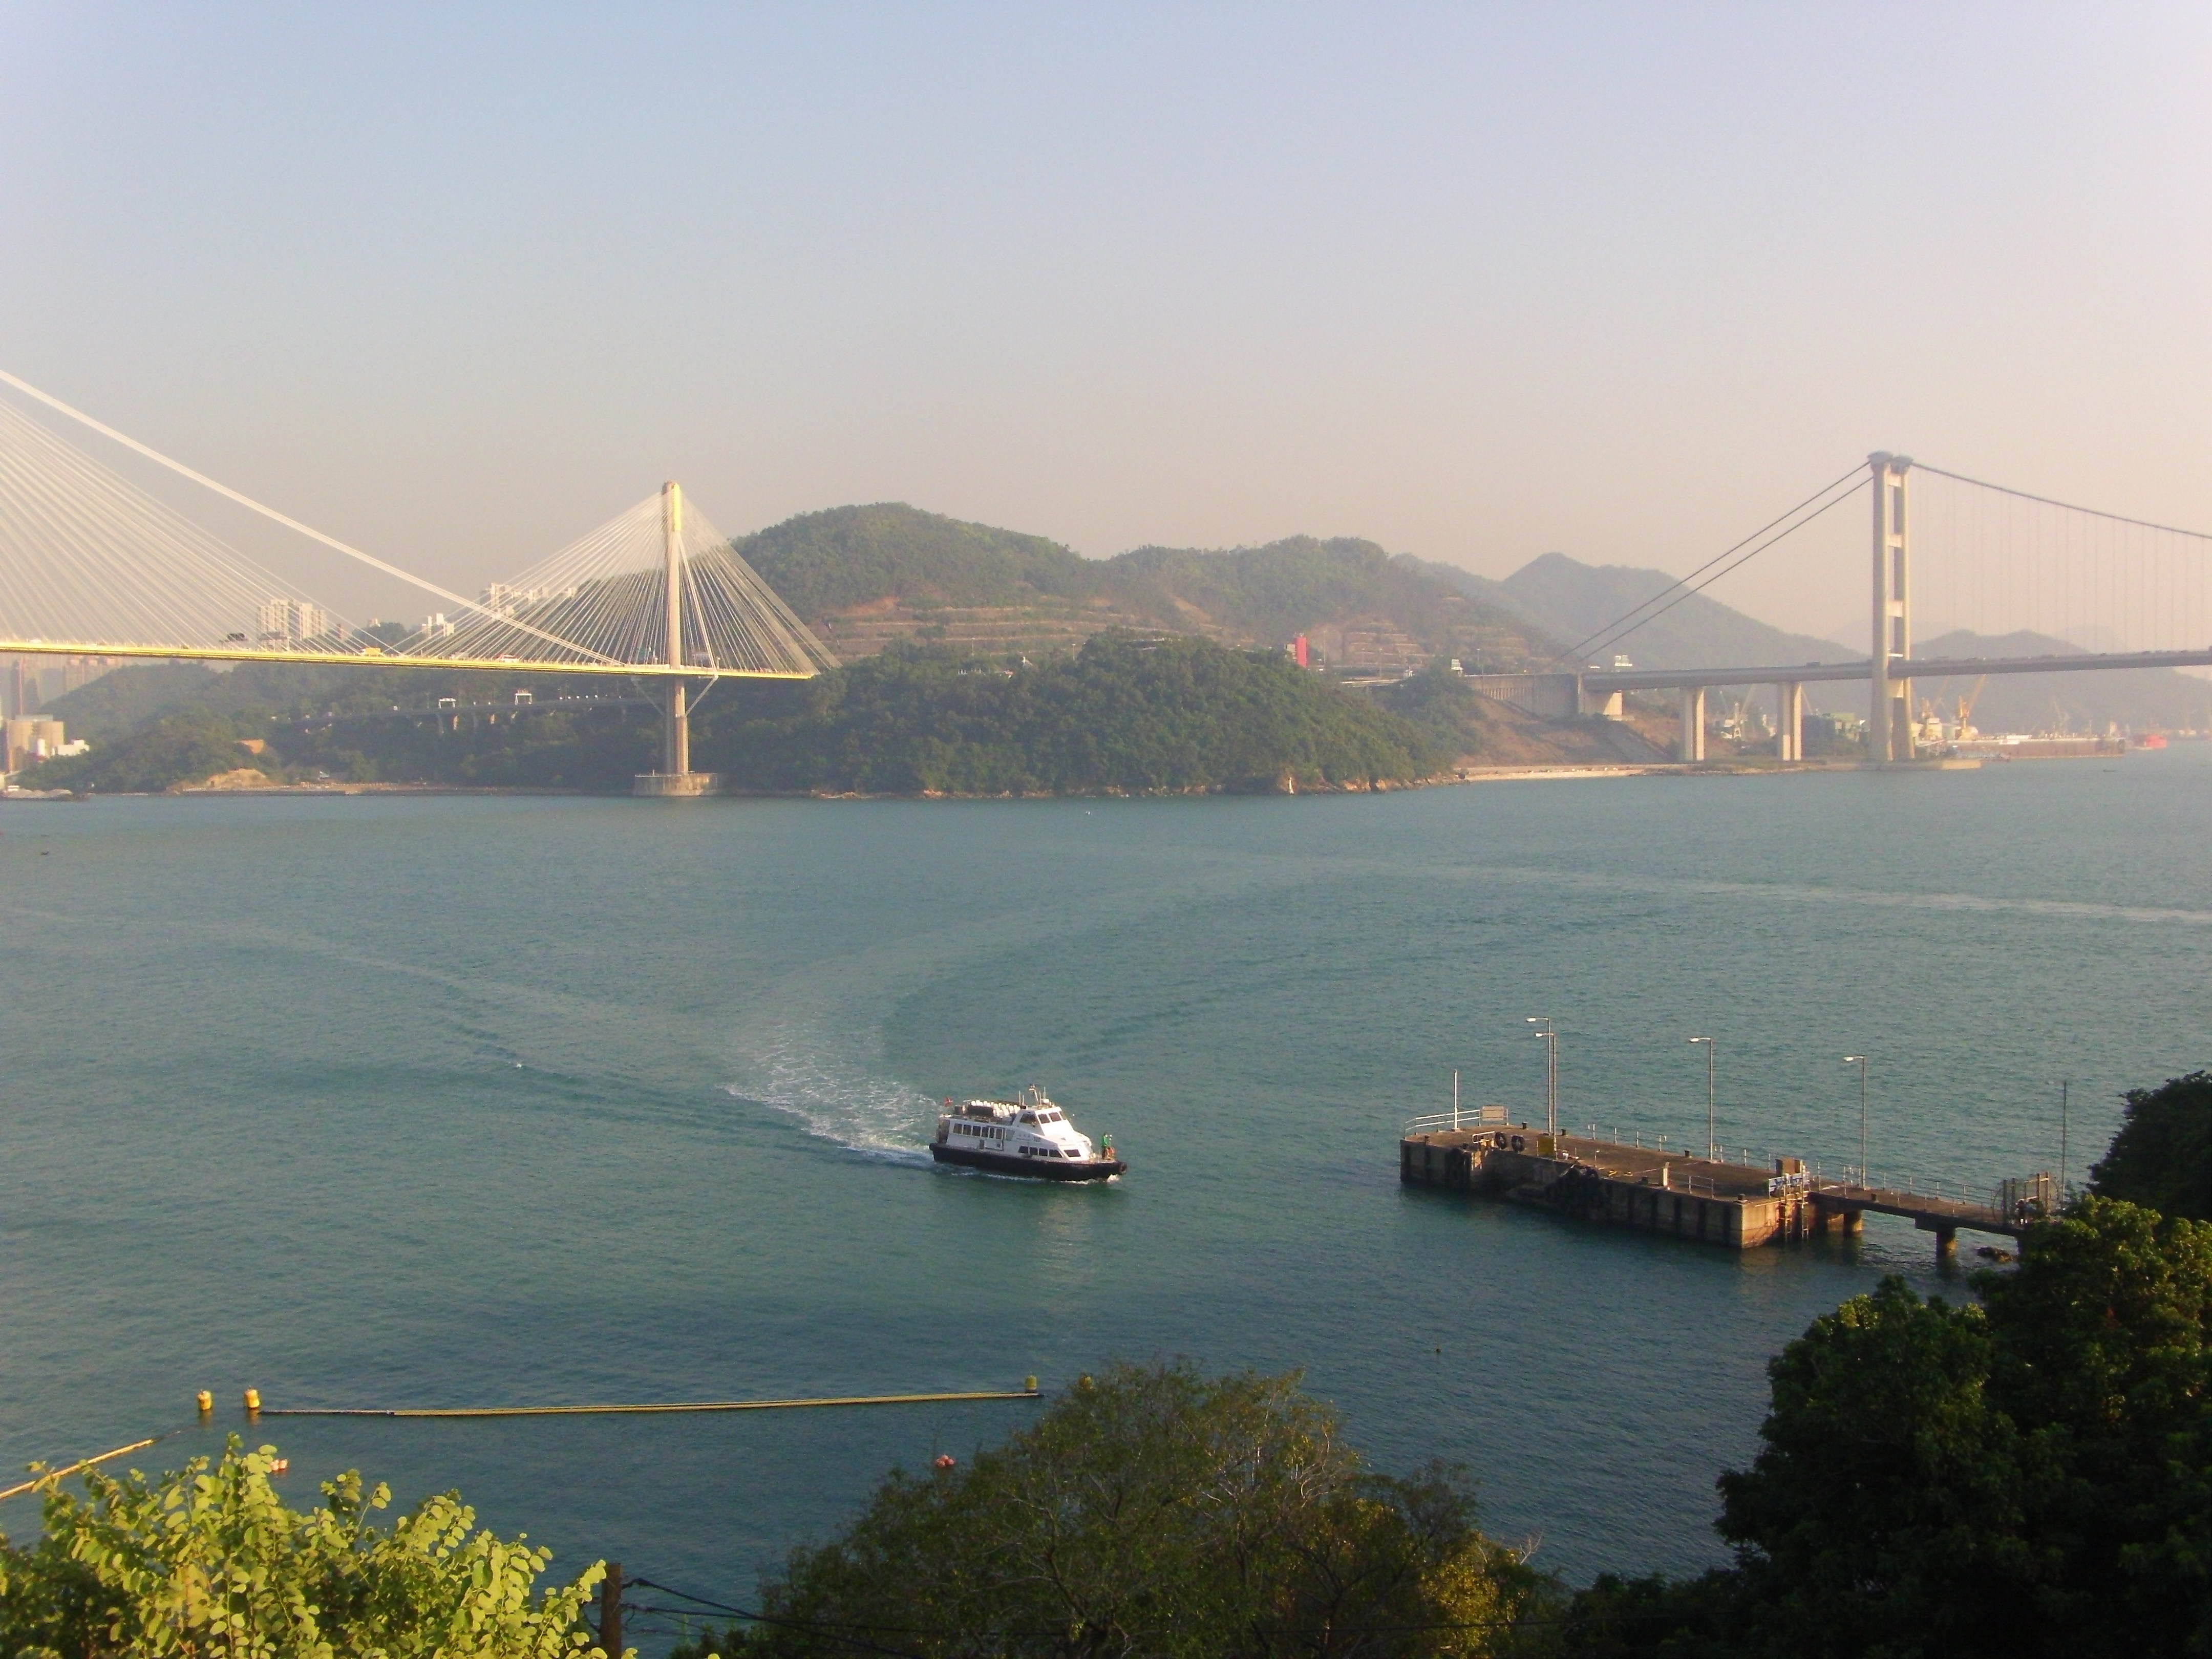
{"points": [[2032, 1476], [209, 1561], [2162, 1155], [1155, 1511]]}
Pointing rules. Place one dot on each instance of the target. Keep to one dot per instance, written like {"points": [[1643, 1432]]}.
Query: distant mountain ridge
{"points": [[1574, 601], [2140, 699]]}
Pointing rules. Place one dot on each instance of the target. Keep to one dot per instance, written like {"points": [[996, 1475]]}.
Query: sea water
{"points": [[390, 1100]]}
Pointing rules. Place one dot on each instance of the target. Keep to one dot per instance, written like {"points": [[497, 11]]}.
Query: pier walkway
{"points": [[1739, 1206]]}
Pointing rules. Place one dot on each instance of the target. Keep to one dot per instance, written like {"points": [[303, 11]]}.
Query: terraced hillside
{"points": [[863, 576]]}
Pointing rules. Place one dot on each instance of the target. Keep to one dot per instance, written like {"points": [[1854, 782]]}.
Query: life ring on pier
{"points": [[1519, 1144]]}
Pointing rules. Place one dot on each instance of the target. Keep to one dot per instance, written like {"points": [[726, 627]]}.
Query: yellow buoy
{"points": [[1030, 1382], [205, 1401], [252, 1402]]}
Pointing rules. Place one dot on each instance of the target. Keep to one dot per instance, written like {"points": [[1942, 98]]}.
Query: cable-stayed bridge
{"points": [[92, 565]]}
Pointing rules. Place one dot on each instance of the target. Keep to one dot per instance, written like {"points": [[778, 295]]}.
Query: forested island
{"points": [[1122, 714]]}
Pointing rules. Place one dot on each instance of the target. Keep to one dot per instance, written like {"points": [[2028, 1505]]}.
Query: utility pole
{"points": [[1889, 705], [611, 1630], [1712, 1102]]}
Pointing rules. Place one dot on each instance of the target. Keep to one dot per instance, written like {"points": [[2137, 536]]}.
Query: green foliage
{"points": [[210, 1561], [1180, 713], [181, 748], [1450, 714], [1155, 1511], [1130, 715], [2032, 1476], [820, 562], [2162, 1155], [733, 1643]]}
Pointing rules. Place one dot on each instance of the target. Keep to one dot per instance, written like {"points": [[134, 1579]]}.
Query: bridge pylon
{"points": [[1889, 705], [675, 780]]}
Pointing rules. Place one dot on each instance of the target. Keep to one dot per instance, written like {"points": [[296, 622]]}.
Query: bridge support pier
{"points": [[1692, 746], [1789, 720], [1946, 1238]]}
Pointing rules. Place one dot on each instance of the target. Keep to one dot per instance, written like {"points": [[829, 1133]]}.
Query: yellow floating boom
{"points": [[85, 1463], [1030, 1393]]}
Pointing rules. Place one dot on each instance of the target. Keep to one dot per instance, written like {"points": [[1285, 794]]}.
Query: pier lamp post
{"points": [[1860, 1061], [1712, 1102], [1550, 1071]]}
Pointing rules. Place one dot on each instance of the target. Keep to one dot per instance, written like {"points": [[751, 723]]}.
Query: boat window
{"points": [[1029, 1117]]}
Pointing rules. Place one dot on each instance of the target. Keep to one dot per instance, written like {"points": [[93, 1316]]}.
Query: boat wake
{"points": [[797, 1074]]}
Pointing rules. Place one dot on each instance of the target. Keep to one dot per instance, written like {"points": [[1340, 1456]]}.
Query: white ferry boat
{"points": [[1026, 1137]]}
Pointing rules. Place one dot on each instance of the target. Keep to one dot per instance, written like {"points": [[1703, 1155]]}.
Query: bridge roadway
{"points": [[1605, 683]]}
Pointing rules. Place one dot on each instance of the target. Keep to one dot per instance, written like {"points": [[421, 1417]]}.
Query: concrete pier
{"points": [[1737, 1205]]}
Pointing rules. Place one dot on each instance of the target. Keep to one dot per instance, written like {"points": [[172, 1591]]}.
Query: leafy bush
{"points": [[1155, 1511], [2162, 1155], [2032, 1476], [209, 1561], [188, 747]]}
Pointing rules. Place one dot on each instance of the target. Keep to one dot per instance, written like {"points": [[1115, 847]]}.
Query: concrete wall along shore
{"points": [[1739, 1207]]}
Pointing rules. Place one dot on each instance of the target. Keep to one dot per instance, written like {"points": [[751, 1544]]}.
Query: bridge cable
{"points": [[245, 501], [2070, 507], [1622, 633], [1578, 648]]}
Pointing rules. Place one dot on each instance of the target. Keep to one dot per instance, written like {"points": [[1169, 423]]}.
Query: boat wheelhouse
{"points": [[1030, 1136]]}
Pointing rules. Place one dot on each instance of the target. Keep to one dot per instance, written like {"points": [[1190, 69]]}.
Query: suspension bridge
{"points": [[92, 565], [2008, 562]]}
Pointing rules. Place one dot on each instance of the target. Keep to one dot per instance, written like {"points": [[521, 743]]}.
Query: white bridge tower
{"points": [[1889, 705], [676, 779]]}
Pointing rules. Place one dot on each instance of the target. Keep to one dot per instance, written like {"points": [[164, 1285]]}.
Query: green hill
{"points": [[865, 576], [1123, 713], [821, 563]]}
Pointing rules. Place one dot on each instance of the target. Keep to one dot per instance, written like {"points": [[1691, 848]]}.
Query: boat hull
{"points": [[1036, 1169]]}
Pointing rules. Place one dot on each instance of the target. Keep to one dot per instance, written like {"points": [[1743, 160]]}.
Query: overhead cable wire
{"points": [[1580, 646]]}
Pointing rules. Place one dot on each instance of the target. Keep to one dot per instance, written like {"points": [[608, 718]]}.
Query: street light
{"points": [[1860, 1061], [1712, 1104], [1551, 1073]]}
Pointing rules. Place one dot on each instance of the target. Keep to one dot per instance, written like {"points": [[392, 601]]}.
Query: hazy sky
{"points": [[458, 283]]}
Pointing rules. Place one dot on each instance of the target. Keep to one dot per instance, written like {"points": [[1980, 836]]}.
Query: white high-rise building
{"points": [[289, 622]]}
